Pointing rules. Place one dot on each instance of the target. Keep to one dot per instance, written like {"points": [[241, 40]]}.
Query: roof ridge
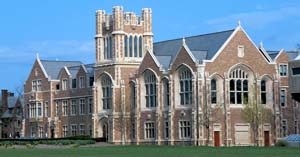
{"points": [[196, 35], [58, 60]]}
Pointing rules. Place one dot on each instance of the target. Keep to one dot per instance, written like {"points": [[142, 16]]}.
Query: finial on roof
{"points": [[261, 44], [239, 23], [183, 40], [37, 56]]}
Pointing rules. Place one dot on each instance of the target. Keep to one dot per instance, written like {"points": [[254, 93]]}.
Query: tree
{"points": [[256, 114]]}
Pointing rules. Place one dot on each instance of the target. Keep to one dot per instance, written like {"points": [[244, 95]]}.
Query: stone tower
{"points": [[122, 39]]}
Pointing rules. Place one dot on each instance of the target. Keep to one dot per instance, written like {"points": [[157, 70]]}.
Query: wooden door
{"points": [[217, 138], [267, 138]]}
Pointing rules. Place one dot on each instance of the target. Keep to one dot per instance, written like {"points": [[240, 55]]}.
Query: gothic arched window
{"points": [[213, 91], [106, 84], [140, 46], [185, 80], [238, 86]]}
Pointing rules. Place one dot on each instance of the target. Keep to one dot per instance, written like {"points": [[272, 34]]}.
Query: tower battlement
{"points": [[118, 35]]}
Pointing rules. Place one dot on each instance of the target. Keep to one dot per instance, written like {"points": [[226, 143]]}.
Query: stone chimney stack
{"points": [[4, 94]]}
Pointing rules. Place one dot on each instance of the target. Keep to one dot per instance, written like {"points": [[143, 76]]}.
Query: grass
{"points": [[154, 151]]}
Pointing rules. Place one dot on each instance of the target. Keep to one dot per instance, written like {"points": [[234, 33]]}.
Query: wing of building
{"points": [[191, 91]]}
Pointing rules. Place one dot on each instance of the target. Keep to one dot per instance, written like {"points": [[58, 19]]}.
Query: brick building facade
{"points": [[179, 91]]}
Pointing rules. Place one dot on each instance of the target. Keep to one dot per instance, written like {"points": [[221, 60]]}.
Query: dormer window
{"points": [[64, 84]]}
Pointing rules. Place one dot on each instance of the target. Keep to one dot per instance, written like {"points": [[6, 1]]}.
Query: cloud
{"points": [[62, 49], [259, 18]]}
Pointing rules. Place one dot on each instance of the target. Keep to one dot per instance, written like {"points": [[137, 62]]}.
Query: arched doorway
{"points": [[103, 129]]}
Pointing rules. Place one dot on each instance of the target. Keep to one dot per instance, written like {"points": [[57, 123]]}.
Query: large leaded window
{"points": [[185, 80], [238, 87], [213, 91], [133, 46], [106, 92], [150, 85]]}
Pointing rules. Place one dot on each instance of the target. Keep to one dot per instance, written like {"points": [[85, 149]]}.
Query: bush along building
{"points": [[11, 115], [199, 90]]}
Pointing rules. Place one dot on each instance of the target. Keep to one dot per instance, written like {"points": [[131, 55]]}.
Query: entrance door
{"points": [[217, 138], [52, 133], [267, 138], [104, 129]]}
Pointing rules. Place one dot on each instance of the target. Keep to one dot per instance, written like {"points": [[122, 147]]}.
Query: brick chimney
{"points": [[4, 94]]}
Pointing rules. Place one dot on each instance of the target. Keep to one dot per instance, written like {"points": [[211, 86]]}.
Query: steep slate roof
{"points": [[165, 61], [7, 114], [74, 69], [291, 54], [53, 68], [273, 54], [203, 47]]}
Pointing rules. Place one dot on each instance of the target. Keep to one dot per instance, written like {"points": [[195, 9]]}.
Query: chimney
{"points": [[4, 94]]}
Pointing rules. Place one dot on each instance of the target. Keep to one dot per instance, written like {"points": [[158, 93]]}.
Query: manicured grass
{"points": [[154, 151]]}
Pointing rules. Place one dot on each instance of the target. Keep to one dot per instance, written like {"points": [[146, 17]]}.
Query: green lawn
{"points": [[154, 151]]}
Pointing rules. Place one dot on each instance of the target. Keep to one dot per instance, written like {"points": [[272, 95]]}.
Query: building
{"points": [[294, 79], [181, 91], [11, 115]]}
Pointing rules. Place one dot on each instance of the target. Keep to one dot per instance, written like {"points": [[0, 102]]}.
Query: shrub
{"points": [[281, 143], [29, 146]]}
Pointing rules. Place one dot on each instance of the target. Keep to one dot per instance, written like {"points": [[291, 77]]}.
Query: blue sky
{"points": [[64, 29]]}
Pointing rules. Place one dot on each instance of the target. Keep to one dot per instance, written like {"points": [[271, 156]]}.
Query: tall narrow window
{"points": [[110, 52], [65, 108], [213, 91], [82, 129], [263, 92], [133, 130], [91, 81], [185, 80], [140, 46], [130, 46], [106, 92], [133, 96], [73, 107], [135, 46], [81, 82], [166, 93], [82, 108], [64, 84], [238, 87], [283, 128], [46, 109], [105, 48], [74, 83], [39, 109], [34, 87], [90, 105], [166, 132], [39, 85], [56, 109], [150, 85], [73, 129], [65, 131], [283, 97], [126, 46]]}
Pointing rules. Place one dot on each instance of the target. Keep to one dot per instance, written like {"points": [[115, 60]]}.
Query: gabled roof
{"points": [[203, 47], [53, 68], [292, 54], [297, 58], [74, 69], [273, 54]]}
